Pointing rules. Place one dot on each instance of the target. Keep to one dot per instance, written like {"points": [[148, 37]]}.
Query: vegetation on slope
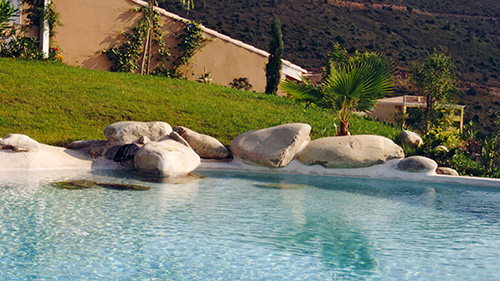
{"points": [[55, 103], [470, 30], [484, 8]]}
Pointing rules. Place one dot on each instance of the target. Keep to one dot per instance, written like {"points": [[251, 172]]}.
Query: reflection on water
{"points": [[191, 178], [327, 234], [358, 223], [245, 226]]}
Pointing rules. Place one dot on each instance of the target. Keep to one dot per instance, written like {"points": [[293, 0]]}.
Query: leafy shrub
{"points": [[205, 78], [20, 47], [435, 138], [478, 158], [466, 153]]}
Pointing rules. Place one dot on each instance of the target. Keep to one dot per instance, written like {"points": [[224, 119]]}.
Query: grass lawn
{"points": [[54, 103]]}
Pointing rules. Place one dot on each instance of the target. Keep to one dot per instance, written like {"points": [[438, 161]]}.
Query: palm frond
{"points": [[303, 91], [361, 82]]}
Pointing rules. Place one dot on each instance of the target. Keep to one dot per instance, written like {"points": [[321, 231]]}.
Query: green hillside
{"points": [[55, 103], [469, 30]]}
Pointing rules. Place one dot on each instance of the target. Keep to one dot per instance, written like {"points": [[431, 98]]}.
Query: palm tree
{"points": [[355, 85], [358, 85]]}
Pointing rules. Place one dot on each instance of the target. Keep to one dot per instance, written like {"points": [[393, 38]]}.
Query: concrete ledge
{"points": [[384, 171], [52, 158]]}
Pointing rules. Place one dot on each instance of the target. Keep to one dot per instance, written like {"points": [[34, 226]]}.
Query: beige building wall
{"points": [[227, 61], [385, 112], [90, 26]]}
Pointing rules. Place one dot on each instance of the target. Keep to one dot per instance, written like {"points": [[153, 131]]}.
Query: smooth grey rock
{"points": [[350, 151], [446, 171], [272, 147], [417, 164], [19, 143], [131, 131], [167, 158], [98, 149], [176, 137], [410, 138], [204, 145], [77, 145], [93, 148], [441, 148]]}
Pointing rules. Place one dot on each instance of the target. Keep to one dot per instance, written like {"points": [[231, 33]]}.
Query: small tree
{"points": [[358, 85], [150, 33], [337, 56], [435, 80], [146, 48], [354, 85], [146, 40], [273, 67]]}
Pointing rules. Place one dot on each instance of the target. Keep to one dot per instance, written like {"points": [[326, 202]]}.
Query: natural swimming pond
{"points": [[245, 226]]}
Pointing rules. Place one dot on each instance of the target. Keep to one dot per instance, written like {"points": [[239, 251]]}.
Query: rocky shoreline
{"points": [[158, 149]]}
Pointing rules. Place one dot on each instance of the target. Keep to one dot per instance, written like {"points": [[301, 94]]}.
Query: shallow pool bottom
{"points": [[246, 226]]}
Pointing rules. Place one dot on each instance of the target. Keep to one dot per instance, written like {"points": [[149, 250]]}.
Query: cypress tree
{"points": [[273, 67]]}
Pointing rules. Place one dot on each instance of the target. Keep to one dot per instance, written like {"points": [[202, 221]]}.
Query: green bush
{"points": [[21, 47], [466, 154], [478, 158]]}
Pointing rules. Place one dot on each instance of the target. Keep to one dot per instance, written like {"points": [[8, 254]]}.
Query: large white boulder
{"points": [[410, 138], [272, 147], [205, 146], [19, 143], [132, 131], [167, 158], [350, 151]]}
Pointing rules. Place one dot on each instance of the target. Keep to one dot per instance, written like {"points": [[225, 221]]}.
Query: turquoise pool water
{"points": [[246, 226]]}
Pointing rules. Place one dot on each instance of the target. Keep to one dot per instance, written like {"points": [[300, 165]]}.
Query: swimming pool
{"points": [[246, 226]]}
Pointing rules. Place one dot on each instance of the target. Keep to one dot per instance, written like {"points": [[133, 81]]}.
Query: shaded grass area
{"points": [[54, 103]]}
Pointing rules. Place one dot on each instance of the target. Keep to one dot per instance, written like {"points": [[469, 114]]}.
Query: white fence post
{"points": [[45, 32]]}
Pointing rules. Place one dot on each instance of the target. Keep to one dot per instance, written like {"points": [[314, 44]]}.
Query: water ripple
{"points": [[227, 228]]}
